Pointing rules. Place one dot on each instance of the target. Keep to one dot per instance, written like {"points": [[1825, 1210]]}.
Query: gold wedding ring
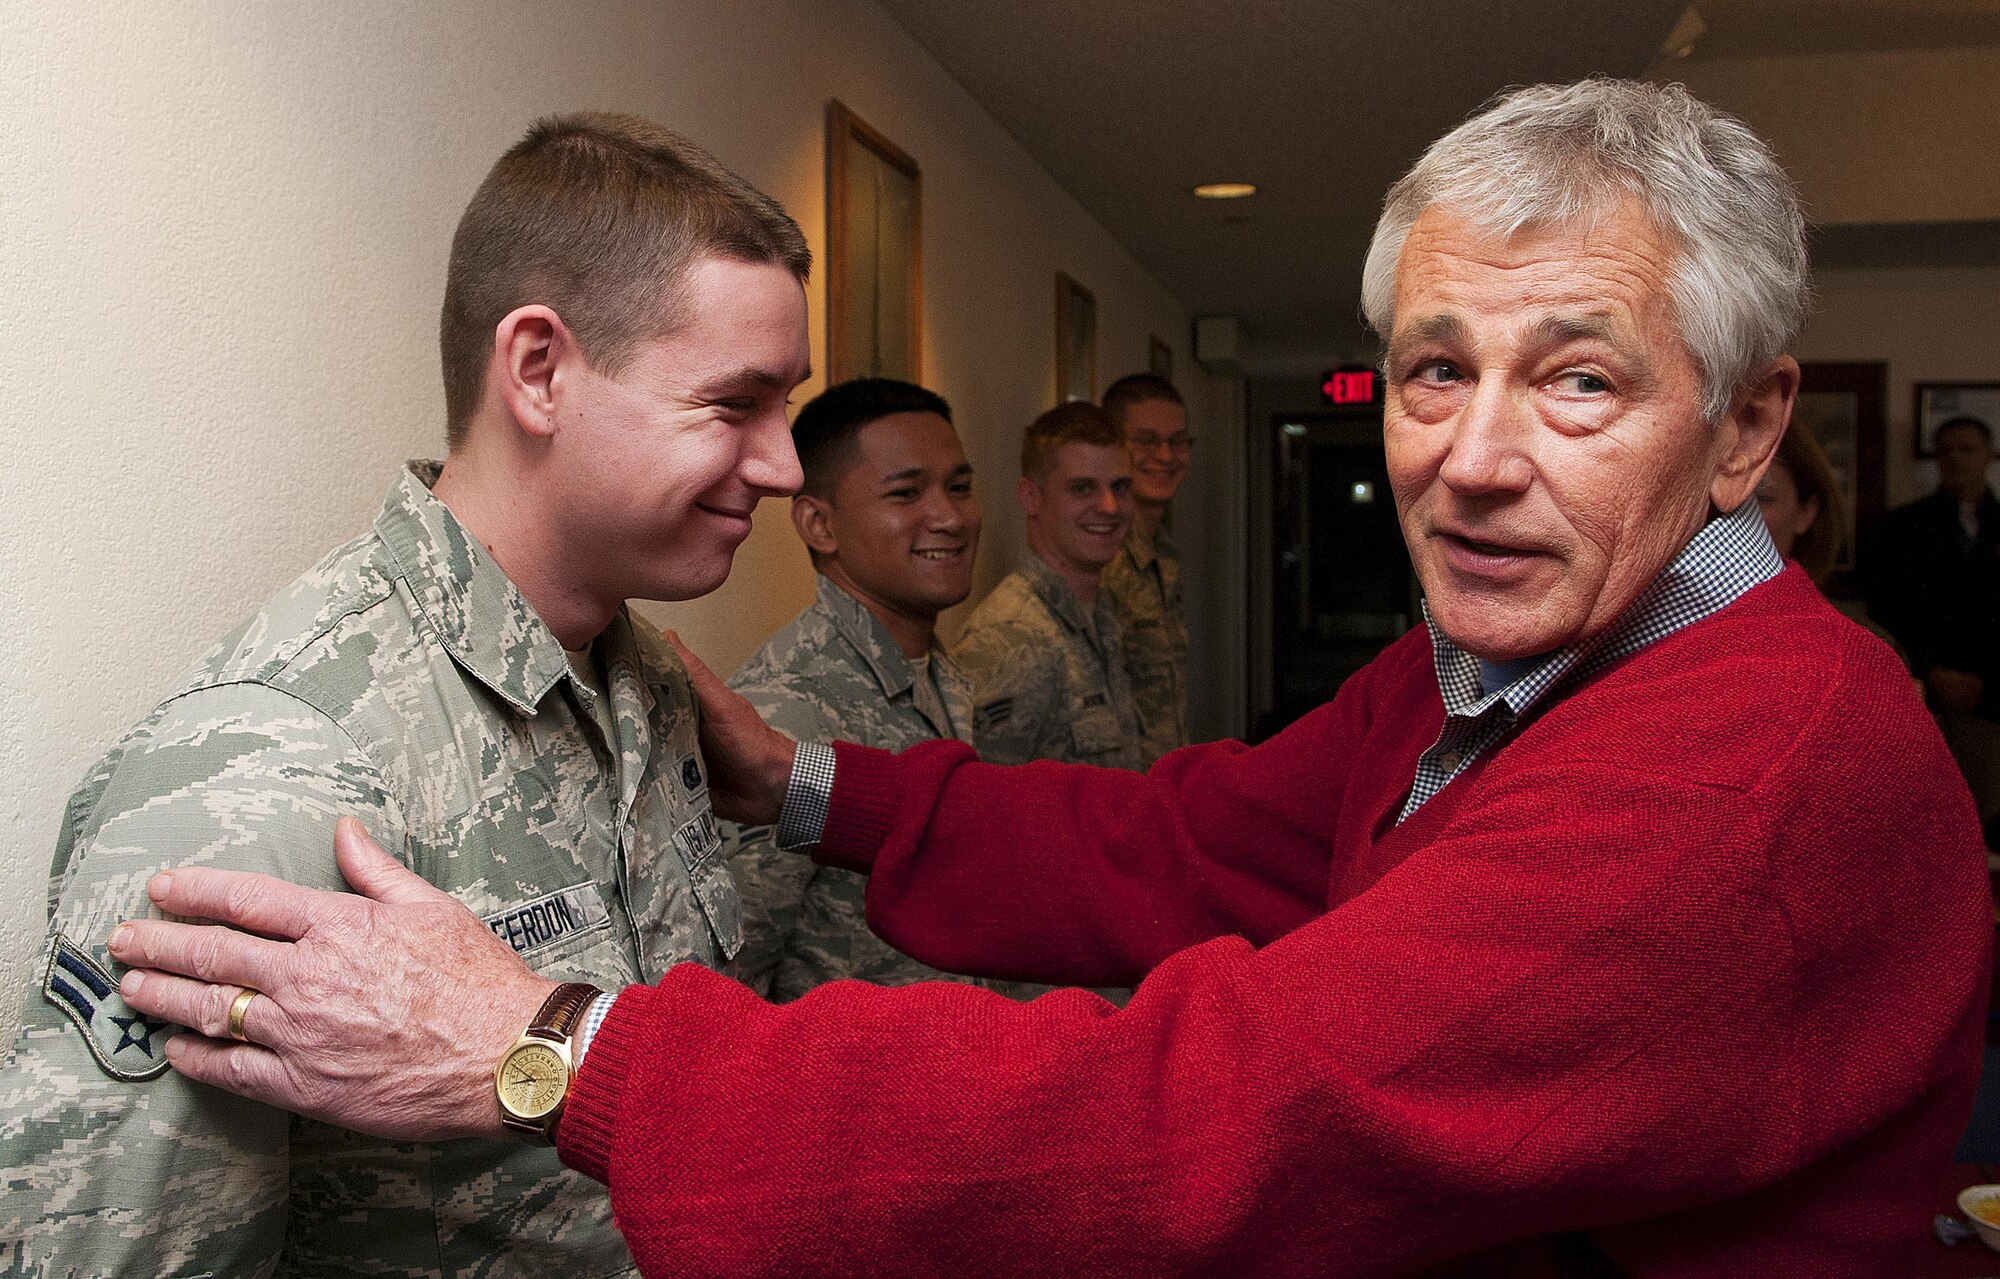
{"points": [[239, 1006]]}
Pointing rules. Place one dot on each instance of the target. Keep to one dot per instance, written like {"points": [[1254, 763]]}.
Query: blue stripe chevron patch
{"points": [[125, 1043]]}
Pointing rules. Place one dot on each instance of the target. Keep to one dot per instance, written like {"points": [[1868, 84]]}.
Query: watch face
{"points": [[532, 1080]]}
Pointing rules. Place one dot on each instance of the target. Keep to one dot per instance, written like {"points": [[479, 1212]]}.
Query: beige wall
{"points": [[222, 257], [1940, 325], [1904, 135]]}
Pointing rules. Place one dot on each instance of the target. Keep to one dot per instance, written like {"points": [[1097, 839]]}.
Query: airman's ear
{"points": [[813, 518], [1029, 495], [1747, 438], [534, 357]]}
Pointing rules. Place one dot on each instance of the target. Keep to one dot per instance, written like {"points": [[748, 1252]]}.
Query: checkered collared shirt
{"points": [[1731, 554]]}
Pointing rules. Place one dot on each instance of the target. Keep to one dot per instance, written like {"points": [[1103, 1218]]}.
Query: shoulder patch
{"points": [[691, 774], [993, 714], [125, 1043]]}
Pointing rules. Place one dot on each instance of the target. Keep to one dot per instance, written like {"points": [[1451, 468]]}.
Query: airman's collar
{"points": [[479, 616], [1054, 592], [869, 637]]}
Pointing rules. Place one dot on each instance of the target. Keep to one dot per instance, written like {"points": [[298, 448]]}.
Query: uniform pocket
{"points": [[1096, 732], [699, 846]]}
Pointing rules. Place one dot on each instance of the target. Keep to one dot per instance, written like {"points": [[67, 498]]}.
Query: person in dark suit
{"points": [[1936, 588]]}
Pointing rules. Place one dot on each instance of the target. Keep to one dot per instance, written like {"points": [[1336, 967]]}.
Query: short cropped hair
{"points": [[1963, 421], [1818, 548], [1077, 422], [1557, 155], [1137, 388], [598, 217], [824, 430]]}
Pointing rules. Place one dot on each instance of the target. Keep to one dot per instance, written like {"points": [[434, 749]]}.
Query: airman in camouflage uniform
{"points": [[834, 672], [1144, 578], [1144, 583], [1049, 679], [404, 680]]}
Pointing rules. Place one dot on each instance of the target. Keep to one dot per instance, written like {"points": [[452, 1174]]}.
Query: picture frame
{"points": [[1845, 406], [1159, 358], [874, 253], [1940, 402], [1076, 341]]}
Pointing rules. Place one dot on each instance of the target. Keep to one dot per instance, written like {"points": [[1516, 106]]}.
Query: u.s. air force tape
{"points": [[546, 920], [125, 1043]]}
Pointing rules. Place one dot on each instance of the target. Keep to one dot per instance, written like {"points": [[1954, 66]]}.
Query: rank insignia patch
{"points": [[126, 1043], [691, 774], [993, 714]]}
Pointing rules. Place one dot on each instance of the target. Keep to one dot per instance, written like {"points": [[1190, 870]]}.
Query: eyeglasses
{"points": [[1143, 442]]}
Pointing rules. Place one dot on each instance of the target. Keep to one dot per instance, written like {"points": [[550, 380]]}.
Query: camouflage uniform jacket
{"points": [[1048, 681], [1144, 583], [832, 672], [406, 681]]}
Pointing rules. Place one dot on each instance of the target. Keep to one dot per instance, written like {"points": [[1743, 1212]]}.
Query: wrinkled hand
{"points": [[384, 1010], [1955, 690], [749, 762]]}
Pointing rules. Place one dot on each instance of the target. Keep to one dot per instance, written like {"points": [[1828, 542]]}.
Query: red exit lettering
{"points": [[1344, 387]]}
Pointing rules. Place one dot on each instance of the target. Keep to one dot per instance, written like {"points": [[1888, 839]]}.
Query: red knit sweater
{"points": [[1695, 966]]}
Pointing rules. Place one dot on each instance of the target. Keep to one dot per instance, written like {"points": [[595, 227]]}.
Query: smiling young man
{"points": [[888, 514], [623, 320], [1626, 918], [1144, 578], [1043, 650]]}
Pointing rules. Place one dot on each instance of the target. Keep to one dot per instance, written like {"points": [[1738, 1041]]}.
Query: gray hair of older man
{"points": [[1551, 156]]}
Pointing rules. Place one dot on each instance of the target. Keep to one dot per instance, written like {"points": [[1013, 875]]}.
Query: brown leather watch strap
{"points": [[558, 1014]]}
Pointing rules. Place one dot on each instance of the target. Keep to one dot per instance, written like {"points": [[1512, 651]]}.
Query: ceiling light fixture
{"points": [[1225, 190]]}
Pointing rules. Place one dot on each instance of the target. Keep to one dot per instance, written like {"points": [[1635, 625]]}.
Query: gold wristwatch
{"points": [[533, 1077]]}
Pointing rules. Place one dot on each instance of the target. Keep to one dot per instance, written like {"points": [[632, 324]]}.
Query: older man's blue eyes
{"points": [[1583, 383]]}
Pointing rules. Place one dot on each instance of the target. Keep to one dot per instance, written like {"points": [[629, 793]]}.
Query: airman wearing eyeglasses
{"points": [[1144, 580]]}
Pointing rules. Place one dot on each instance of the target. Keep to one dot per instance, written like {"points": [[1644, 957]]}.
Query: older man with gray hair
{"points": [[1625, 918]]}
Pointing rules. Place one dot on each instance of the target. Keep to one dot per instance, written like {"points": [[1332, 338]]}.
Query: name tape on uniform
{"points": [[547, 920], [698, 840]]}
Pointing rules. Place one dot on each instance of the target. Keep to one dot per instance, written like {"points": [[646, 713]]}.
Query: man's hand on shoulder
{"points": [[749, 762], [384, 1010]]}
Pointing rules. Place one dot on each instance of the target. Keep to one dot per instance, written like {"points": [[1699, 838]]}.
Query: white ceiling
{"points": [[1321, 103]]}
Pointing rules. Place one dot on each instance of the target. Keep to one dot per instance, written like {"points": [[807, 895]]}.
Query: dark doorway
{"points": [[1341, 586]]}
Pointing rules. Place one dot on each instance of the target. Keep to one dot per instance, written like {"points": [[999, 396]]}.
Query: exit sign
{"points": [[1351, 386]]}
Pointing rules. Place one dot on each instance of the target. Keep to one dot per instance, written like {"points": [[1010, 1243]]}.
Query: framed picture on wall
{"points": [[1159, 359], [874, 253], [1076, 341], [1843, 406], [1941, 402]]}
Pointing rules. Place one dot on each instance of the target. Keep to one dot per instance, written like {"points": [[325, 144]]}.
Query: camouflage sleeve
{"points": [[110, 1164], [1019, 684], [771, 883]]}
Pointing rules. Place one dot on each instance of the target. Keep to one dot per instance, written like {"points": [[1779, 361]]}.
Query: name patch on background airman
{"points": [[125, 1043], [547, 920]]}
